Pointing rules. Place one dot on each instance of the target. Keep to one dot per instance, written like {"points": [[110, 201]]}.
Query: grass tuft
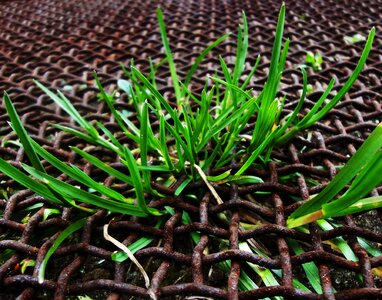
{"points": [[199, 135]]}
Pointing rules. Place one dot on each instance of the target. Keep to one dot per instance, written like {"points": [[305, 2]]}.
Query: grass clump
{"points": [[194, 136]]}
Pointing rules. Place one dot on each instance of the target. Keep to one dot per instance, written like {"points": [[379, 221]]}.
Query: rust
{"points": [[60, 43]]}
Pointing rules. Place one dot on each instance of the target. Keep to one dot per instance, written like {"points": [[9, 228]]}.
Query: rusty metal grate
{"points": [[61, 42]]}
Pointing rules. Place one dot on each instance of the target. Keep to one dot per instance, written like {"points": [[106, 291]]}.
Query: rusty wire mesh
{"points": [[60, 43]]}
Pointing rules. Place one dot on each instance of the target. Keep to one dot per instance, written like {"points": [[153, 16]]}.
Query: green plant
{"points": [[314, 60], [362, 172], [194, 136]]}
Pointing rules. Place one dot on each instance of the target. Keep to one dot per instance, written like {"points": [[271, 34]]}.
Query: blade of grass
{"points": [[250, 75], [271, 85], [109, 101], [339, 241], [362, 205], [163, 143], [364, 154], [200, 58], [102, 166], [77, 174], [28, 182], [310, 268], [143, 140], [137, 183], [19, 128], [348, 84], [363, 184], [255, 154], [88, 139], [67, 232], [72, 192], [139, 244], [156, 94], [174, 76], [65, 104]]}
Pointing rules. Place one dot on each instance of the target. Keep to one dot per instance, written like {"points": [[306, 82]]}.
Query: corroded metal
{"points": [[60, 43]]}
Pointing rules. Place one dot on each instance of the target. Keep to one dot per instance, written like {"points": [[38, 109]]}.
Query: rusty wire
{"points": [[60, 43]]}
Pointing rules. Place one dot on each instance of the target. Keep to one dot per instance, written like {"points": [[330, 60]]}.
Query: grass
{"points": [[196, 135]]}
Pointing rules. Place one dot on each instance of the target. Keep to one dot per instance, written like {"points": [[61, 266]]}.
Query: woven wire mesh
{"points": [[60, 43]]}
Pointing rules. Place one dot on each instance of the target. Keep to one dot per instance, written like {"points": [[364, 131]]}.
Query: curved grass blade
{"points": [[60, 239], [104, 167], [310, 268], [157, 95], [297, 109], [89, 139], [312, 209], [77, 174], [255, 154], [109, 101], [28, 182], [65, 104], [137, 183], [19, 128], [362, 205], [200, 58], [348, 84], [250, 75], [71, 192], [174, 76], [272, 81]]}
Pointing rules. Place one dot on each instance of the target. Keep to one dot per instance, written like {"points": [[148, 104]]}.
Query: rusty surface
{"points": [[60, 43]]}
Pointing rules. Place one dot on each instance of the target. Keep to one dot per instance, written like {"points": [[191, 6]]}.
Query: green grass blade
{"points": [[184, 184], [368, 178], [200, 58], [143, 144], [65, 104], [371, 249], [28, 182], [307, 119], [77, 174], [139, 244], [364, 154], [121, 256], [255, 154], [87, 138], [338, 241], [235, 88], [109, 101], [250, 75], [242, 49], [71, 192], [348, 84], [297, 109], [310, 268], [163, 143], [156, 94], [102, 166], [137, 183], [362, 205], [265, 274], [272, 81], [67, 232], [181, 143], [203, 118], [111, 137], [174, 76], [19, 128], [245, 282]]}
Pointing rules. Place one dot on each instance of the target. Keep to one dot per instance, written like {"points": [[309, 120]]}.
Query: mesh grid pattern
{"points": [[60, 43]]}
